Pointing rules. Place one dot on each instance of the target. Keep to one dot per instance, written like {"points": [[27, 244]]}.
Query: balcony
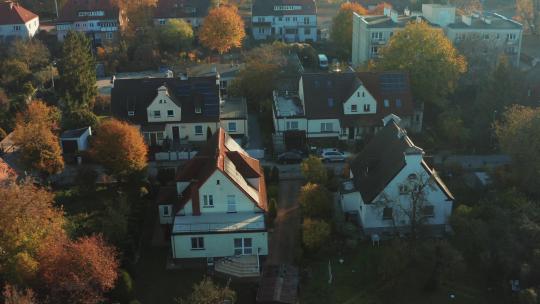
{"points": [[219, 222]]}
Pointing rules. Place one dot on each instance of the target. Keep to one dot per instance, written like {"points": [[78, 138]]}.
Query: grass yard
{"points": [[357, 281]]}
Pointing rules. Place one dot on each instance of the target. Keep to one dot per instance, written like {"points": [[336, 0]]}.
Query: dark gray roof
{"points": [[382, 159], [266, 7], [73, 133], [496, 22], [137, 94], [181, 9], [234, 108]]}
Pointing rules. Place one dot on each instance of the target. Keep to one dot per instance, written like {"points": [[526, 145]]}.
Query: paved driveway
{"points": [[254, 132], [286, 236]]}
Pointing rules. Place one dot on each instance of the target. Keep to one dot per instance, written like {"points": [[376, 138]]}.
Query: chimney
{"points": [[195, 202], [413, 155]]}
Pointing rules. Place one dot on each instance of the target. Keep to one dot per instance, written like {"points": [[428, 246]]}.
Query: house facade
{"points": [[344, 106], [174, 110], [500, 34], [217, 208], [17, 22], [191, 11], [287, 20], [100, 20], [390, 182]]}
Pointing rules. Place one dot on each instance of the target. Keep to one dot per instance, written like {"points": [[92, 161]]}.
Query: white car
{"points": [[329, 155]]}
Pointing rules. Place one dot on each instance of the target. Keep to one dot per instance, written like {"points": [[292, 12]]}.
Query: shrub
{"points": [[315, 233], [272, 209], [316, 201], [274, 176], [314, 170], [273, 192], [123, 291]]}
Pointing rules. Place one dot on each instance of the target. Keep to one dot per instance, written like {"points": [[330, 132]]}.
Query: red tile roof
{"points": [[213, 157], [13, 13]]}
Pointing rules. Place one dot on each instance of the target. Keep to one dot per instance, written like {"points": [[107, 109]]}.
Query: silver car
{"points": [[329, 156]]}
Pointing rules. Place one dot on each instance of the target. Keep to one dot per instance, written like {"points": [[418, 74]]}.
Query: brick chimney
{"points": [[195, 203]]}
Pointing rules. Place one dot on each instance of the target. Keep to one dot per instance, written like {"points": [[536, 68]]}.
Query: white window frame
{"points": [[198, 242], [231, 123], [327, 127], [170, 113], [354, 108], [198, 133], [243, 248], [157, 114], [231, 203], [208, 201], [292, 125]]}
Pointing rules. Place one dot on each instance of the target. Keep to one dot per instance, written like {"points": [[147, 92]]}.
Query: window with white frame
{"points": [[306, 20], [166, 211], [157, 114], [511, 36], [354, 108], [374, 50], [16, 27], [231, 126], [170, 113], [162, 21], [403, 189], [208, 201], [366, 107], [327, 127], [292, 125], [231, 203], [198, 130], [197, 243]]}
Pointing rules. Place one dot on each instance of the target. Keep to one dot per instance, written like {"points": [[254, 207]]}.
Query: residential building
{"points": [[217, 208], [175, 110], [500, 34], [17, 22], [74, 141], [227, 73], [287, 20], [344, 106], [191, 11], [392, 188], [100, 20]]}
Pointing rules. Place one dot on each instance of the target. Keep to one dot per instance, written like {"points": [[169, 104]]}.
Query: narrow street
{"points": [[285, 237]]}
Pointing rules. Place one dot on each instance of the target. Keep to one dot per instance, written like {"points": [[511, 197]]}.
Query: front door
{"points": [[176, 134], [231, 204], [351, 132], [243, 246]]}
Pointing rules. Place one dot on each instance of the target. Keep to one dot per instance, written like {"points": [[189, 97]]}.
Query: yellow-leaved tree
{"points": [[222, 29], [432, 61]]}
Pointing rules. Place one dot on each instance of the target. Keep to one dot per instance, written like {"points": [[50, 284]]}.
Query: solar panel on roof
{"points": [[183, 90], [392, 83]]}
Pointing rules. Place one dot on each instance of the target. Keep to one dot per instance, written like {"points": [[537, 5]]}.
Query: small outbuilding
{"points": [[74, 141]]}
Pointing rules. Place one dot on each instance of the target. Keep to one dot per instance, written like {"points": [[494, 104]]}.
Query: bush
{"points": [[272, 209], [123, 291], [274, 176], [314, 170], [80, 119], [273, 192], [331, 182], [315, 233], [316, 202]]}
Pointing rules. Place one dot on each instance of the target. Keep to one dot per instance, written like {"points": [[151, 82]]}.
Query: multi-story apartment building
{"points": [[17, 22], [287, 20], [502, 35], [191, 11], [100, 20]]}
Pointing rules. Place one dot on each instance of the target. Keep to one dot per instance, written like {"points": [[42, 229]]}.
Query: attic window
{"points": [[366, 108], [354, 108], [363, 94], [412, 176], [131, 113], [198, 110]]}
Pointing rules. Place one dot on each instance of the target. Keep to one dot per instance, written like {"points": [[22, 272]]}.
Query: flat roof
{"points": [[234, 108], [219, 222], [287, 105]]}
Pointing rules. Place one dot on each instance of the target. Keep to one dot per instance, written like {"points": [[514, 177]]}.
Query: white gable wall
{"points": [[163, 103], [360, 98]]}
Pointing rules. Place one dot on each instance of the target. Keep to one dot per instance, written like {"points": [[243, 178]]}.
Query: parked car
{"points": [[323, 61], [329, 155], [290, 157]]}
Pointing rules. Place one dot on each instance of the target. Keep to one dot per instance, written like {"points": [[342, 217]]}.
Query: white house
{"points": [[391, 181], [344, 106], [287, 20], [191, 11], [75, 140], [100, 20], [499, 34], [17, 22], [216, 211]]}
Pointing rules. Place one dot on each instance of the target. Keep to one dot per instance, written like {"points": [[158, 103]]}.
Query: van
{"points": [[323, 61]]}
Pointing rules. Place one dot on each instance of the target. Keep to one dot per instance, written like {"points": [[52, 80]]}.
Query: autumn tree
{"points": [[33, 134], [316, 201], [528, 11], [431, 60], [341, 32], [78, 271], [12, 295], [33, 223], [208, 292], [314, 170], [517, 134], [77, 82], [222, 29], [175, 35], [119, 147], [379, 8], [315, 233]]}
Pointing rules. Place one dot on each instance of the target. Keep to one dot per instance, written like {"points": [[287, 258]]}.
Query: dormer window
{"points": [[198, 110], [354, 108], [131, 113]]}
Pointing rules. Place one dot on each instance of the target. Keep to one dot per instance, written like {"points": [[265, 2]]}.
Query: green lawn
{"points": [[357, 281]]}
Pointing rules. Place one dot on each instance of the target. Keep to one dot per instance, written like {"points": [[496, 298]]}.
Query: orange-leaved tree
{"points": [[341, 32], [30, 223], [119, 147], [222, 29], [78, 271], [35, 137]]}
